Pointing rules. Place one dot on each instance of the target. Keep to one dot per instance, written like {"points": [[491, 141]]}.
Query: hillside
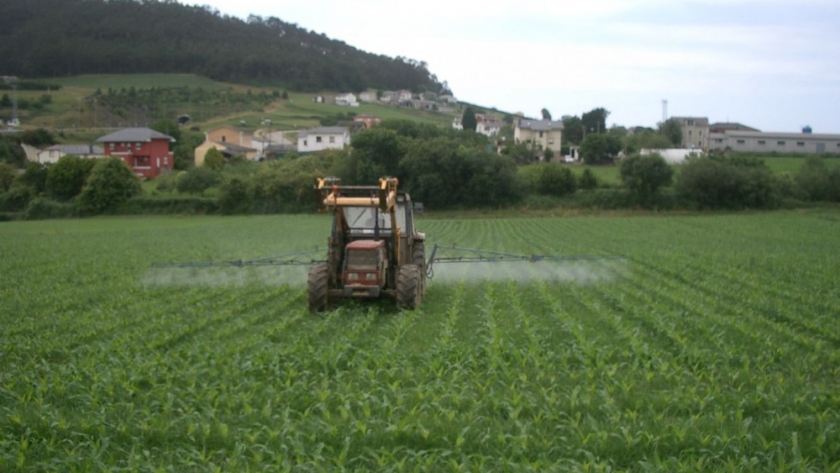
{"points": [[58, 38], [82, 107]]}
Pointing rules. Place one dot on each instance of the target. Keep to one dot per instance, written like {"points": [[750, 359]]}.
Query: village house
{"points": [[695, 132], [144, 150], [229, 140], [321, 138], [367, 120], [539, 135], [368, 96]]}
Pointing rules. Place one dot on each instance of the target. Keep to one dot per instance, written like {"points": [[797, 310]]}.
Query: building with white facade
{"points": [[321, 138]]}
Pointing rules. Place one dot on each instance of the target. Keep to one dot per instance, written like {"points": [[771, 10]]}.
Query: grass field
{"points": [[715, 346]]}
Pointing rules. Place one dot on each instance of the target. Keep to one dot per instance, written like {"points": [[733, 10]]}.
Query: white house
{"points": [[347, 100], [456, 123], [489, 128], [321, 138], [404, 95], [55, 152], [447, 98]]}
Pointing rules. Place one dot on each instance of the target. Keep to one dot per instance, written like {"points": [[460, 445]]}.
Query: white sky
{"points": [[770, 64]]}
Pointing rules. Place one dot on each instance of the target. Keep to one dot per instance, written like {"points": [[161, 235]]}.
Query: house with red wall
{"points": [[144, 150]]}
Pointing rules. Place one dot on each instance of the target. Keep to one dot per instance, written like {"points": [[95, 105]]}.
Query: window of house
{"points": [[762, 142], [541, 134], [800, 143], [317, 139], [551, 142], [780, 143], [142, 161], [689, 123], [740, 142], [689, 132], [304, 143], [332, 139], [224, 139]]}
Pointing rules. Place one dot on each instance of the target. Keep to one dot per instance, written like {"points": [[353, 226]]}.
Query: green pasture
{"points": [[711, 345]]}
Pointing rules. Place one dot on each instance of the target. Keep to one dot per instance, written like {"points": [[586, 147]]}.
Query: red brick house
{"points": [[145, 151]]}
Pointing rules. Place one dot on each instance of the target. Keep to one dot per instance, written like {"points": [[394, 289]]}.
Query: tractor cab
{"points": [[365, 268]]}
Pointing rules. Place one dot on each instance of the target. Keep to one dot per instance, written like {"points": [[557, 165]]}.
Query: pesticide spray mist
{"points": [[227, 276], [578, 272]]}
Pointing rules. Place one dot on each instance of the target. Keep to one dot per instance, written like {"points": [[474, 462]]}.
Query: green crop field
{"points": [[714, 346]]}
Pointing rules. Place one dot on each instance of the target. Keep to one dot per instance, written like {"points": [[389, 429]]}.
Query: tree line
{"points": [[54, 38]]}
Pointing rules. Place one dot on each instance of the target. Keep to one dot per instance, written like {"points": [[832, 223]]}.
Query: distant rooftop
{"points": [[134, 135], [78, 150], [323, 130], [540, 125]]}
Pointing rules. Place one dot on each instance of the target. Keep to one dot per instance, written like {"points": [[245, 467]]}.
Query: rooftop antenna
{"points": [[664, 111]]}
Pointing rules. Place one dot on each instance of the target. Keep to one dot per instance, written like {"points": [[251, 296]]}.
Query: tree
{"points": [[8, 173], [110, 184], [572, 130], [644, 175], [599, 148], [647, 139], [5, 101], [468, 119], [595, 120], [548, 153], [672, 130], [376, 152], [214, 159], [546, 115], [66, 178], [167, 127]]}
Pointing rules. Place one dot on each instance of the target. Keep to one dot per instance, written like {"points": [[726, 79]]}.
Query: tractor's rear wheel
{"points": [[419, 257], [317, 285], [408, 287]]}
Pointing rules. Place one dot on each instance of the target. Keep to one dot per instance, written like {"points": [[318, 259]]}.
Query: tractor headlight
{"points": [[352, 276], [370, 277]]}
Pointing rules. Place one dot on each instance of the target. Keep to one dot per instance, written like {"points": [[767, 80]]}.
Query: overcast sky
{"points": [[770, 64]]}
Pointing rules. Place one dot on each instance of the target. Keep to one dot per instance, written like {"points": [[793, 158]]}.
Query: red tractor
{"points": [[374, 249]]}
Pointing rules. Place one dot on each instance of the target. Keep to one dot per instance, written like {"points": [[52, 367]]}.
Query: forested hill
{"points": [[51, 38]]}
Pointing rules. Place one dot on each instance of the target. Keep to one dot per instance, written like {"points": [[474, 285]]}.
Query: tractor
{"points": [[374, 248]]}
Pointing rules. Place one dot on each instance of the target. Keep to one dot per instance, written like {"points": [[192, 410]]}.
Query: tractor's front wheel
{"points": [[317, 285], [408, 287]]}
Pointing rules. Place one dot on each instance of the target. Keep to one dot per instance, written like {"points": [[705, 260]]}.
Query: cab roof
{"points": [[365, 244]]}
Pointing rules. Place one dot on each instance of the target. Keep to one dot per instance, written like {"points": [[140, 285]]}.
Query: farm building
{"points": [[55, 152], [784, 143], [144, 150]]}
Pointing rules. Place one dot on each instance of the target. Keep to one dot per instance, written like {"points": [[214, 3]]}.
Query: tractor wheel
{"points": [[317, 285], [419, 257], [408, 287]]}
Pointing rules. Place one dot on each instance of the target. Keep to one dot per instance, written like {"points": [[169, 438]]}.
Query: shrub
{"points": [[197, 180], [818, 182], [110, 184], [726, 183], [236, 195], [549, 179], [587, 180], [66, 178], [16, 199], [173, 205], [41, 209], [644, 175]]}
